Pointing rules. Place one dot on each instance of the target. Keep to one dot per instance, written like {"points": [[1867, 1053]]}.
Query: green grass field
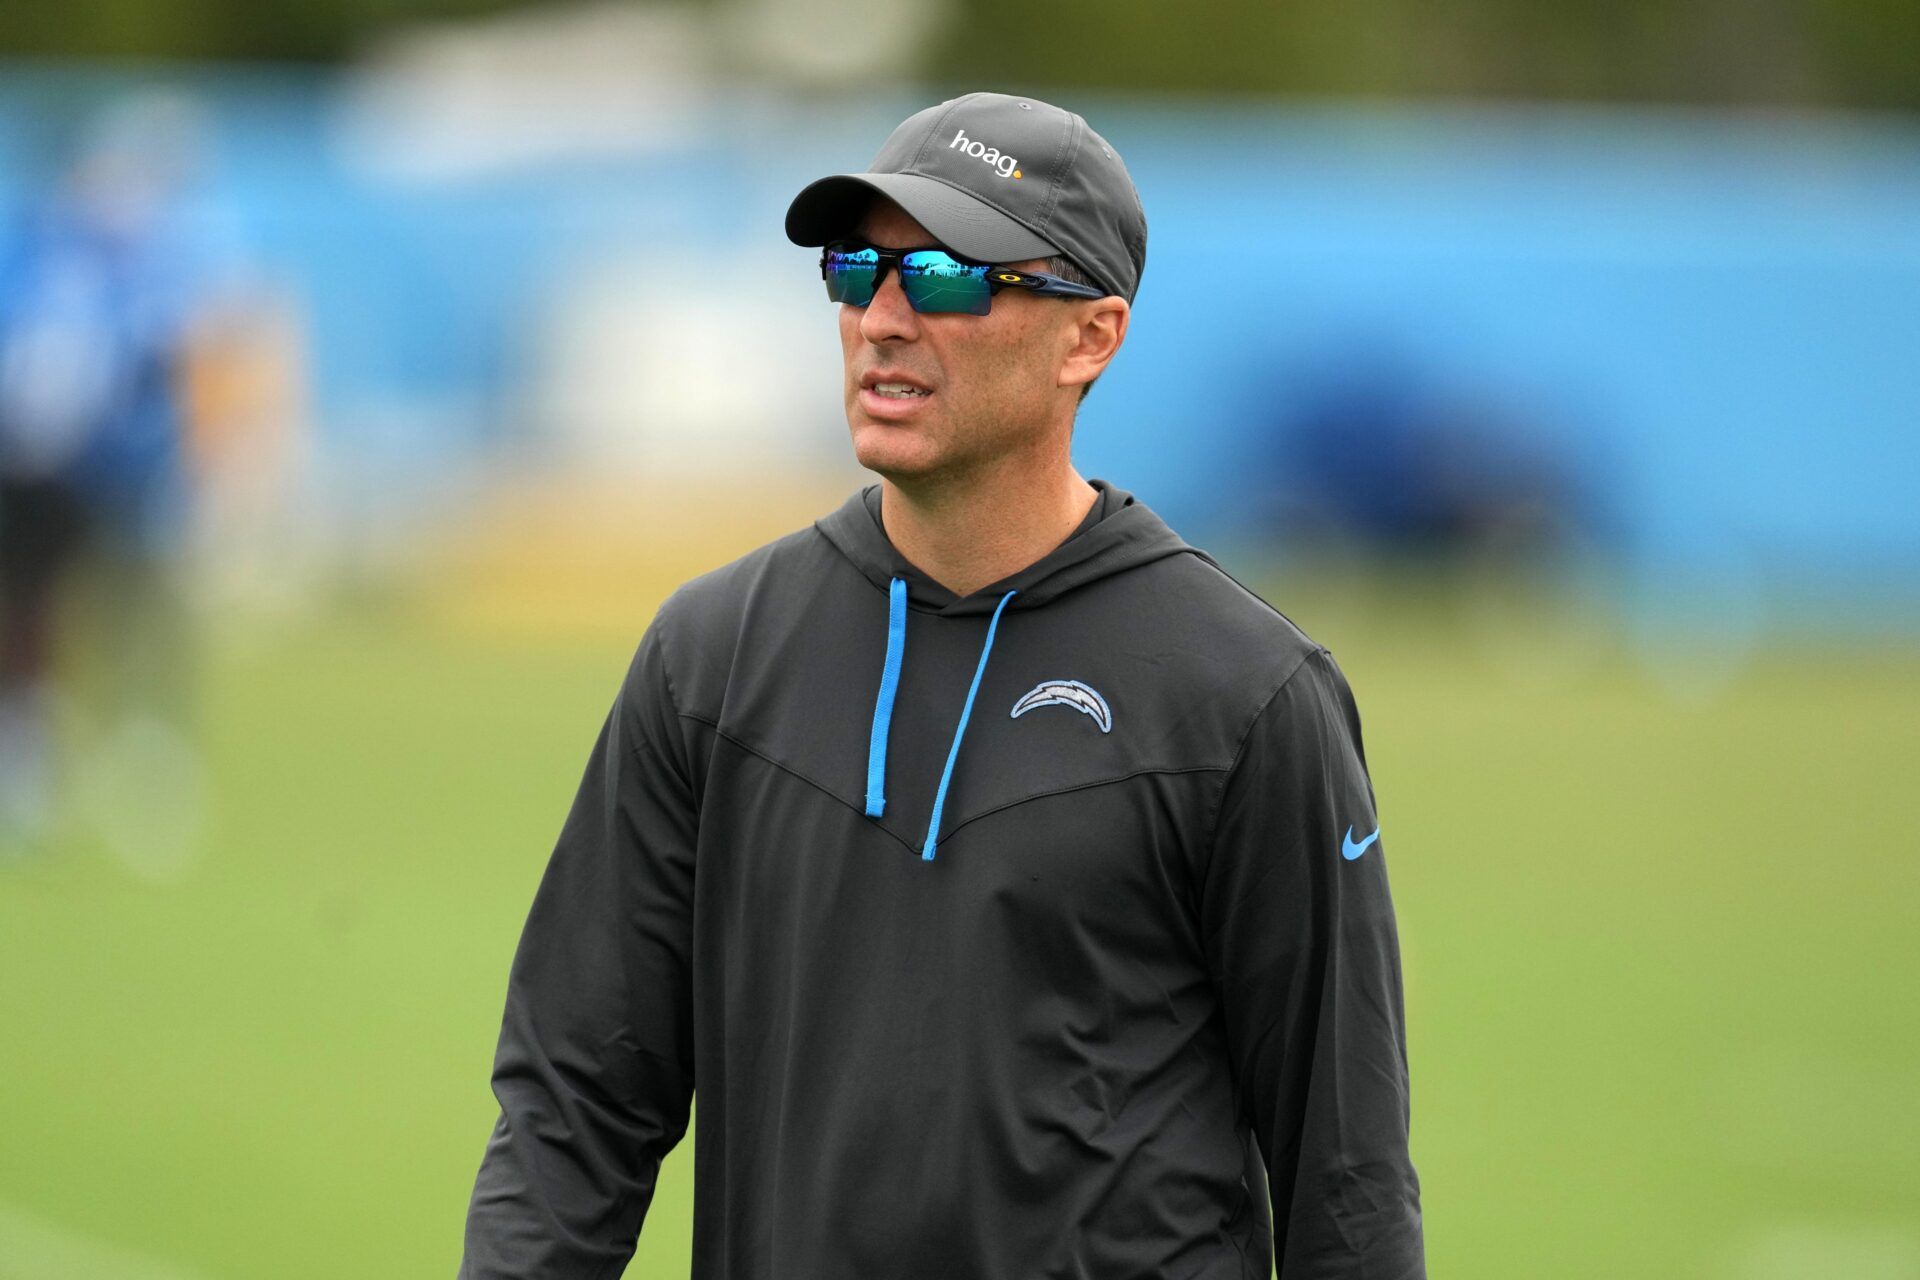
{"points": [[1661, 956]]}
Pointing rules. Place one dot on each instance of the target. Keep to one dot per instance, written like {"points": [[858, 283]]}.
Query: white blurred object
{"points": [[453, 100], [458, 100], [254, 542], [832, 44], [142, 790], [742, 372]]}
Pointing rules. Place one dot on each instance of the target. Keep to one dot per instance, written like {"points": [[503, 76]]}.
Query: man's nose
{"points": [[889, 315]]}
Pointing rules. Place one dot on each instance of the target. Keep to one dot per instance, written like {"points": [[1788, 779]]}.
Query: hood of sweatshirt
{"points": [[1119, 533]]}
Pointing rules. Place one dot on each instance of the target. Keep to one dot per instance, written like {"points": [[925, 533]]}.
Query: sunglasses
{"points": [[934, 280]]}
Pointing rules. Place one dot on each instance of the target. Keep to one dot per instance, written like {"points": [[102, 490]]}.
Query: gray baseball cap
{"points": [[999, 179]]}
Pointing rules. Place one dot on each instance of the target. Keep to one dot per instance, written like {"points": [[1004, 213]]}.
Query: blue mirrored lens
{"points": [[850, 275], [936, 281]]}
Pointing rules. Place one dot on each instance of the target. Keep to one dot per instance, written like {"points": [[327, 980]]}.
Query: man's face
{"points": [[993, 379]]}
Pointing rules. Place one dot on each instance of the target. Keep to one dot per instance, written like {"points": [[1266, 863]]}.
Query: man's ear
{"points": [[1100, 328]]}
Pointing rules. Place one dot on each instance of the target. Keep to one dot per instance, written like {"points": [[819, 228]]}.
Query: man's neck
{"points": [[970, 533]]}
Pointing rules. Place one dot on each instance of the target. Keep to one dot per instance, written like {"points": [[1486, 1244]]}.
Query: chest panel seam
{"points": [[757, 753]]}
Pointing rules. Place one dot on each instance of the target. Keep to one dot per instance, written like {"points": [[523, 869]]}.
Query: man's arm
{"points": [[594, 1070], [1303, 948]]}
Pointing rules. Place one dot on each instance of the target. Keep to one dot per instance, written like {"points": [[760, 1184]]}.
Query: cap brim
{"points": [[969, 226]]}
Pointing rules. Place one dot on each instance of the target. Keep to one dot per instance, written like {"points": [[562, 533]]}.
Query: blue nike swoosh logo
{"points": [[1349, 850]]}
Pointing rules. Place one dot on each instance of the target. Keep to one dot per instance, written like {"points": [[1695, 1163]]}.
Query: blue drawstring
{"points": [[946, 775], [883, 709]]}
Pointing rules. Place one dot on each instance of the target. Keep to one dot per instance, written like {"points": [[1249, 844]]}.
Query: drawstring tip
{"points": [[926, 855], [874, 805]]}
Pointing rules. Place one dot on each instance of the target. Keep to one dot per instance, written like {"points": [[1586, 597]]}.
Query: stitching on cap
{"points": [[1070, 149], [1063, 159]]}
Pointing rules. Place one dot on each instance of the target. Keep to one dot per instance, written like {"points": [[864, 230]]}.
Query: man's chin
{"points": [[890, 447]]}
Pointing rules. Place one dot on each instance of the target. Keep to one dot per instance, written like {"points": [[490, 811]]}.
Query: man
{"points": [[1003, 873]]}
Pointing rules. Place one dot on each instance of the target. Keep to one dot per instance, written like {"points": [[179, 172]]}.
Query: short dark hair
{"points": [[1069, 270]]}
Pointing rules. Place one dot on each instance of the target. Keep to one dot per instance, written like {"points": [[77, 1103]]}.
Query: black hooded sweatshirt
{"points": [[1038, 932]]}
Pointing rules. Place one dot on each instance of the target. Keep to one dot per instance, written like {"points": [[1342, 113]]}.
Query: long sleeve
{"points": [[594, 1070], [1304, 951]]}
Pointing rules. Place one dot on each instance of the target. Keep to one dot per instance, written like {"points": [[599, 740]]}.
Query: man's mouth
{"points": [[892, 395]]}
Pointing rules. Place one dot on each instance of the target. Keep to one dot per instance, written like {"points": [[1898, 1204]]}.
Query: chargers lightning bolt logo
{"points": [[1066, 693], [1349, 850]]}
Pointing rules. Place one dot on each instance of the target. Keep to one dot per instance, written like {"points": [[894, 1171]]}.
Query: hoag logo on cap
{"points": [[1079, 201], [1007, 166]]}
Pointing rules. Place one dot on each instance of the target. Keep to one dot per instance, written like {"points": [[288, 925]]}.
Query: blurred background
{"points": [[371, 369]]}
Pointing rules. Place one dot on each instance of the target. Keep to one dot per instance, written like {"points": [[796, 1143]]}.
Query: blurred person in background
{"points": [[1095, 972], [105, 286]]}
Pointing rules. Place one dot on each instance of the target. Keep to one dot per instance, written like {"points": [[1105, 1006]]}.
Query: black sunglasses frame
{"points": [[998, 276]]}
